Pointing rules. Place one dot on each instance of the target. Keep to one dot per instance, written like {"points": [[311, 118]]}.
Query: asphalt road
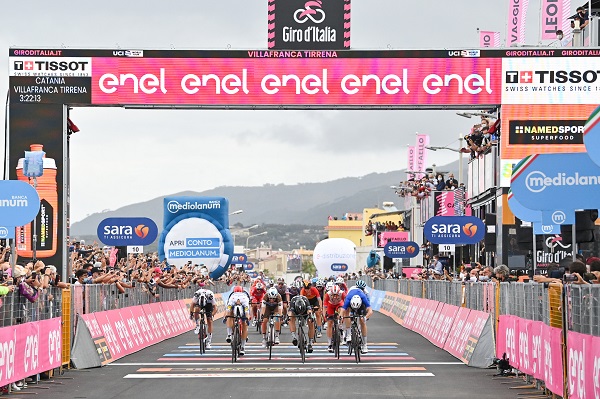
{"points": [[400, 364]]}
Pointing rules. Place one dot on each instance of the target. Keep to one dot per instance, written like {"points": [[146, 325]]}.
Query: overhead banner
{"points": [[411, 161], [489, 39], [517, 17], [454, 230], [309, 25], [127, 231]]}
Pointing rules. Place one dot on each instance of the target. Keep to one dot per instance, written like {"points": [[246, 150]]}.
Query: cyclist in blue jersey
{"points": [[356, 295]]}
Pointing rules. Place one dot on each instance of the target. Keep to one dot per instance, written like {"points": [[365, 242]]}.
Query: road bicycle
{"points": [[236, 333], [201, 326], [258, 318], [271, 333], [356, 339], [302, 336], [336, 335]]}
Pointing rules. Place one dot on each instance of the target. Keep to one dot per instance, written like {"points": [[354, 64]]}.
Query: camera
{"points": [[569, 278]]}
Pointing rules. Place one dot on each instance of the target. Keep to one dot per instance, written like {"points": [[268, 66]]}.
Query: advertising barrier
{"points": [[533, 348], [120, 332], [29, 349], [583, 372], [465, 333]]}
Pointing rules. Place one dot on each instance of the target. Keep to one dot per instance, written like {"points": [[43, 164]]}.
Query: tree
{"points": [[309, 267]]}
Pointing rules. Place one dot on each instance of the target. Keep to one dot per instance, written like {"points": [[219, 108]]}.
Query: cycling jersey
{"points": [[343, 287], [272, 302], [294, 291], [361, 294], [209, 297], [321, 292], [312, 295], [256, 295], [238, 296], [296, 299], [332, 304], [283, 291]]}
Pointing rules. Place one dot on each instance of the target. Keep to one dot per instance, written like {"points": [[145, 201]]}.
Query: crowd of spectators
{"points": [[371, 227], [482, 137], [423, 186]]}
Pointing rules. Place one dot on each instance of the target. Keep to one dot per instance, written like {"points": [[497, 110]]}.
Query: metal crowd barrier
{"points": [[583, 314], [16, 309]]}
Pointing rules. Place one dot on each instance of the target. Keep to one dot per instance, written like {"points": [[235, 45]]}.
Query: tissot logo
{"points": [[519, 77]]}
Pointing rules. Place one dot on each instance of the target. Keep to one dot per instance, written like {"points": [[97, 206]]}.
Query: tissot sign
{"points": [[309, 24]]}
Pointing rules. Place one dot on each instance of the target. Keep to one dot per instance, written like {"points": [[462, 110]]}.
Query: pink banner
{"points": [[455, 343], [552, 355], [29, 349], [506, 341], [411, 161], [555, 16], [421, 155], [535, 339], [489, 39], [583, 367], [443, 325], [517, 16], [296, 81], [523, 348], [388, 236]]}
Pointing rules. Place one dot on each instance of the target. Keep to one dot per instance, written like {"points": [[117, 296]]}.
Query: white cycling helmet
{"points": [[339, 280], [329, 285], [298, 284], [355, 302], [320, 283], [272, 293]]}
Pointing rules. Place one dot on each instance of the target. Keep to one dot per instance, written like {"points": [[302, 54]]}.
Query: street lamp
{"points": [[235, 232], [460, 154], [237, 212], [254, 235]]}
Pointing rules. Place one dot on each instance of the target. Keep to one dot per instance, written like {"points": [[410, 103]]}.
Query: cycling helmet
{"points": [[335, 290], [298, 284], [209, 296], [361, 284], [306, 284], [272, 293], [271, 282], [259, 286], [238, 288], [280, 280], [299, 307], [339, 280], [314, 280], [355, 302], [320, 283], [329, 285]]}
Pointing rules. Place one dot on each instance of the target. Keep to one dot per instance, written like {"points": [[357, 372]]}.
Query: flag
{"points": [[411, 161], [555, 15], [517, 16], [489, 39], [421, 154]]}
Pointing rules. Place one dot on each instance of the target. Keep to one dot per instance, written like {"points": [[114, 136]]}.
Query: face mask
{"points": [[484, 278], [439, 179], [560, 37], [473, 279], [462, 276]]}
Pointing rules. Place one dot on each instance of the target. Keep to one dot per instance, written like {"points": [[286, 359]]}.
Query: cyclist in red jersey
{"points": [[342, 284], [257, 293], [334, 299], [314, 298]]}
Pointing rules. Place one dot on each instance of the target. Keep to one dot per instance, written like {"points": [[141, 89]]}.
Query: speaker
{"points": [[585, 227]]}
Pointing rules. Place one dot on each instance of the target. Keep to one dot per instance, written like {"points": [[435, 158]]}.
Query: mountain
{"points": [[300, 204]]}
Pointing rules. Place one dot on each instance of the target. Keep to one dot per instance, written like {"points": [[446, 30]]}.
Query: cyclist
{"points": [[357, 303], [238, 297], [204, 300], [342, 284], [271, 283], [312, 294], [300, 307], [294, 289], [271, 304], [334, 299], [257, 293], [320, 286], [283, 290], [328, 285]]}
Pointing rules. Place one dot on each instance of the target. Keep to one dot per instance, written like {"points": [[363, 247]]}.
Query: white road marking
{"points": [[275, 375]]}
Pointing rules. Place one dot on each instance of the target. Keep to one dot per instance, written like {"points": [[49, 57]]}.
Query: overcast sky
{"points": [[126, 156]]}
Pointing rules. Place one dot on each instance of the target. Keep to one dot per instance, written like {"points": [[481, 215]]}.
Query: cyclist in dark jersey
{"points": [[312, 294], [283, 290]]}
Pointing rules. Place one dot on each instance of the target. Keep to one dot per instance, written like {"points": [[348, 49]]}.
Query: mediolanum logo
{"points": [[127, 231], [176, 206], [454, 230], [537, 181]]}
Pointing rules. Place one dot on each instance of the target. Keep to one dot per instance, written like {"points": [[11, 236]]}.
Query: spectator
{"points": [[440, 183], [451, 183], [582, 17], [502, 273], [561, 39]]}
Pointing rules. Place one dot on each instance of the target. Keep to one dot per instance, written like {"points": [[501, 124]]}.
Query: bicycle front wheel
{"points": [[202, 336], [302, 343]]}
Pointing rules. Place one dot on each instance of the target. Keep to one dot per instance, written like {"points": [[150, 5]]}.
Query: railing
{"points": [[16, 309]]}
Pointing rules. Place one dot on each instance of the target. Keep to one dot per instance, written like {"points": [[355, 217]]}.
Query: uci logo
{"points": [[454, 53]]}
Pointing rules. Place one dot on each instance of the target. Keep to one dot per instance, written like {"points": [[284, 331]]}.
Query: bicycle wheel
{"points": [[335, 340], [271, 339], [202, 335], [235, 342], [301, 342], [258, 321], [356, 342]]}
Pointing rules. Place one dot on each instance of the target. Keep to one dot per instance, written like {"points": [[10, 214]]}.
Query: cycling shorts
{"points": [[208, 310]]}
